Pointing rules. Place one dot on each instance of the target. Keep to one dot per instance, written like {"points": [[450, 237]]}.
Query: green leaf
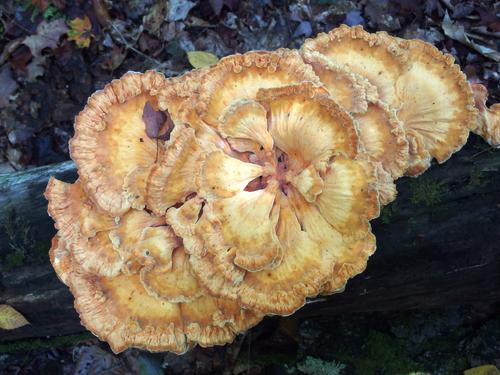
{"points": [[200, 59], [10, 318]]}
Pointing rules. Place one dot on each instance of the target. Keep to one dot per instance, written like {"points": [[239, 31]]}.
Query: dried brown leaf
{"points": [[158, 124], [47, 36]]}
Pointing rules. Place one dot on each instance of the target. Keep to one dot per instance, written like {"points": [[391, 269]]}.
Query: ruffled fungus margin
{"points": [[253, 187]]}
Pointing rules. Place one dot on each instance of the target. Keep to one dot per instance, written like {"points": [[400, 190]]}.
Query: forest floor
{"points": [[55, 53]]}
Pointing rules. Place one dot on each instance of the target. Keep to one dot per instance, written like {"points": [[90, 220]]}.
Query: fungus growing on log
{"points": [[488, 125], [429, 93], [206, 201], [296, 146], [131, 280]]}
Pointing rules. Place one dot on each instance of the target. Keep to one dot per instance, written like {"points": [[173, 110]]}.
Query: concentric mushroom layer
{"points": [[207, 201], [128, 271], [428, 92]]}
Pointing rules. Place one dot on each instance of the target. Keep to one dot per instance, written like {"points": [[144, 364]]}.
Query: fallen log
{"points": [[438, 245]]}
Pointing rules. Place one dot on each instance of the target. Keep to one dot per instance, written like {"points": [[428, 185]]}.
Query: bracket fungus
{"points": [[428, 92], [207, 201], [488, 125]]}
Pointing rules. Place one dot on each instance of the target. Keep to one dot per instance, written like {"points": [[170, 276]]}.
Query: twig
{"points": [[127, 45]]}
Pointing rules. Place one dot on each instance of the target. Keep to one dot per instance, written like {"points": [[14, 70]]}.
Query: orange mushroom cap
{"points": [[238, 77], [121, 311], [429, 92], [381, 133], [488, 118], [60, 258], [208, 200], [82, 227], [132, 282], [110, 147], [436, 103], [378, 57], [241, 229]]}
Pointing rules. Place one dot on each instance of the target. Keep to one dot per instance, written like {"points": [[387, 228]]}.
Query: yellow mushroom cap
{"points": [[120, 311], [436, 102], [429, 92], [350, 255], [350, 212], [381, 134], [378, 57], [176, 174], [179, 92], [60, 259], [243, 234], [175, 285], [246, 120], [352, 91], [383, 138], [259, 192], [350, 263], [488, 125], [110, 142], [82, 227], [156, 304], [240, 77]]}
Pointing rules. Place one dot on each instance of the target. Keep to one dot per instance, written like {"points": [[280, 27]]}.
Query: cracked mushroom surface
{"points": [[429, 93], [277, 202]]}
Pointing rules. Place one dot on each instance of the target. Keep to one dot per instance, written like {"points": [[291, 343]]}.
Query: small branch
{"points": [[157, 64]]}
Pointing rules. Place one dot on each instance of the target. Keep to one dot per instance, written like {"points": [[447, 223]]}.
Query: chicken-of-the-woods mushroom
{"points": [[488, 125], [131, 280], [429, 93], [207, 201]]}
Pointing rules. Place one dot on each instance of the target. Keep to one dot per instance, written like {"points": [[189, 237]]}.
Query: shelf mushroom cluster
{"points": [[207, 201]]}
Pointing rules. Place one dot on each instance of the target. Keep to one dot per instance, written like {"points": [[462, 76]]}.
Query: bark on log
{"points": [[438, 245]]}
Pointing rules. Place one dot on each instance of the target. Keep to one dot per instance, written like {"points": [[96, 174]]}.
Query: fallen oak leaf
{"points": [[47, 36], [10, 318], [158, 124], [201, 59]]}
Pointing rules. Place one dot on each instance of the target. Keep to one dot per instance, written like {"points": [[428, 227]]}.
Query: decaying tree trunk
{"points": [[438, 245]]}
